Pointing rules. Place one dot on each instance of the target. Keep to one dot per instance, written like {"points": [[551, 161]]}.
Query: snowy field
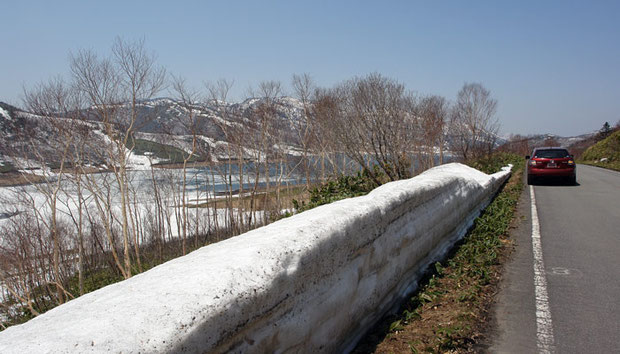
{"points": [[202, 185]]}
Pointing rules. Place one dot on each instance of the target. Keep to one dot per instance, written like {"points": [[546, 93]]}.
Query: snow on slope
{"points": [[5, 113]]}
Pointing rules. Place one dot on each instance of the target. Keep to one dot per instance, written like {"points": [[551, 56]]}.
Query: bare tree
{"points": [[551, 141], [99, 81], [325, 107], [305, 129], [115, 87], [265, 115], [473, 123], [189, 99], [234, 130], [433, 115], [56, 104], [140, 79], [372, 118]]}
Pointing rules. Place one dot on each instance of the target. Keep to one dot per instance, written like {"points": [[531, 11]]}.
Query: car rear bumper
{"points": [[551, 172]]}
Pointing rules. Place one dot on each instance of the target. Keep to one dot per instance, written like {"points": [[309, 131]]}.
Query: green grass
{"points": [[608, 148], [94, 280], [341, 188], [611, 165]]}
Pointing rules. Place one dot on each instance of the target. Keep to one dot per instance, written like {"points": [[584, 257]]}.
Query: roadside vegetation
{"points": [[448, 313], [494, 163], [605, 153], [340, 188]]}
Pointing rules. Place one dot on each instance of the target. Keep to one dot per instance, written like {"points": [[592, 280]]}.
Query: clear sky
{"points": [[553, 66]]}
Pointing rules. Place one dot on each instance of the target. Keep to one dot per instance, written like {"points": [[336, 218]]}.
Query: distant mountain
{"points": [[164, 115], [162, 121], [524, 144], [33, 138], [7, 114], [556, 140]]}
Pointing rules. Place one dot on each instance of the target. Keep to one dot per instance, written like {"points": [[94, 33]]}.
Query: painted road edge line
{"points": [[544, 326]]}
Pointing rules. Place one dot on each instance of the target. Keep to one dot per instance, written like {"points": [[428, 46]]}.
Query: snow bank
{"points": [[313, 282]]}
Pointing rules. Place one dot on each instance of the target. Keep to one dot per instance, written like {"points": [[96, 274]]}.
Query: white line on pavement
{"points": [[544, 326]]}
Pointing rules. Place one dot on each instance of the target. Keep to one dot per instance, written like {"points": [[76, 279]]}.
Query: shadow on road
{"points": [[555, 182]]}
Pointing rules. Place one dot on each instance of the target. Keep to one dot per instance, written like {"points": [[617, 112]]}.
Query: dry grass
{"points": [[14, 178], [262, 199], [10, 179]]}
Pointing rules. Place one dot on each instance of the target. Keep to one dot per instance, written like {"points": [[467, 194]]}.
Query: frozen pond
{"points": [[144, 188]]}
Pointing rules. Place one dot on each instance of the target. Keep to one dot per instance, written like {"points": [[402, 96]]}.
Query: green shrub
{"points": [[607, 148], [6, 167], [494, 162], [341, 188], [94, 280]]}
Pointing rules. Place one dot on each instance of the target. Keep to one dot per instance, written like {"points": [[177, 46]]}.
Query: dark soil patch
{"points": [[10, 179]]}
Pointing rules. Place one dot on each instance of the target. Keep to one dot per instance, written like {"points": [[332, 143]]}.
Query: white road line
{"points": [[544, 326]]}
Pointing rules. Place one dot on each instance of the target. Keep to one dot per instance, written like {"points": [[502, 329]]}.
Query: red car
{"points": [[549, 163]]}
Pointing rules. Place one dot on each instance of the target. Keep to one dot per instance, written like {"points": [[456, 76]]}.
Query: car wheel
{"points": [[530, 179], [573, 180]]}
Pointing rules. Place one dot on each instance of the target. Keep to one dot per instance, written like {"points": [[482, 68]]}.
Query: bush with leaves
{"points": [[341, 188], [494, 162]]}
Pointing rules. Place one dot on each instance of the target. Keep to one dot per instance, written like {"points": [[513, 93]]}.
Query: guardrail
{"points": [[313, 282]]}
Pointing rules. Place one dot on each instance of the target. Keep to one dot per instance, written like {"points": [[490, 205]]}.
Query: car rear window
{"points": [[551, 153]]}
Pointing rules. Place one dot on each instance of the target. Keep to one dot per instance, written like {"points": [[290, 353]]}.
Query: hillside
{"points": [[523, 145], [161, 131], [556, 140], [34, 140], [162, 135], [605, 153]]}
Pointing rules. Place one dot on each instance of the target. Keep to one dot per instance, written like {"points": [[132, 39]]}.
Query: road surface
{"points": [[561, 289]]}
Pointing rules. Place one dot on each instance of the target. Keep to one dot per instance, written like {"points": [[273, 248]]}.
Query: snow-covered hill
{"points": [[170, 122], [167, 116], [163, 121], [556, 140], [35, 139]]}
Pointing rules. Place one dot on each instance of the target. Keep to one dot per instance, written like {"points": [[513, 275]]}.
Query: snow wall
{"points": [[313, 282]]}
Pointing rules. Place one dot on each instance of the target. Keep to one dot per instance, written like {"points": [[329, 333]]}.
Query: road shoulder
{"points": [[512, 328]]}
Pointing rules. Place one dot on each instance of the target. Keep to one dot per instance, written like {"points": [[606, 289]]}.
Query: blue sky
{"points": [[553, 66]]}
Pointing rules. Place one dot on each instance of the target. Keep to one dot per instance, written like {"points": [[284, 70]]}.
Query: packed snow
{"points": [[311, 282]]}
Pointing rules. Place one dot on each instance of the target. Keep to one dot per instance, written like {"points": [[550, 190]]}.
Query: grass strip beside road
{"points": [[449, 312], [610, 165]]}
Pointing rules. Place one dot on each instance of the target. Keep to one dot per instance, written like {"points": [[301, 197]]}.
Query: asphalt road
{"points": [[580, 241]]}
